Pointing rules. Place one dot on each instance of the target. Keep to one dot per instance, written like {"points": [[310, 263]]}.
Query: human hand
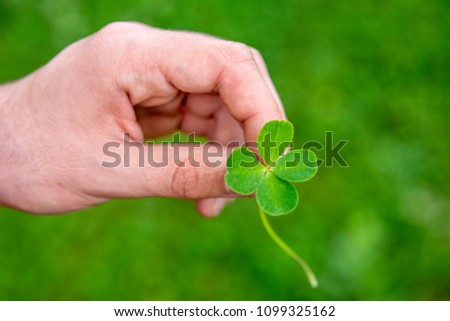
{"points": [[129, 78]]}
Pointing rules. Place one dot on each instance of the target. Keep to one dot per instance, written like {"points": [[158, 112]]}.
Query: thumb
{"points": [[182, 170]]}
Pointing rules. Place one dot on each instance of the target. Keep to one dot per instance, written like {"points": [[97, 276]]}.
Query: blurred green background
{"points": [[375, 73]]}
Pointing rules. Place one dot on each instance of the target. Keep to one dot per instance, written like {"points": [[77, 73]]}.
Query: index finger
{"points": [[196, 63]]}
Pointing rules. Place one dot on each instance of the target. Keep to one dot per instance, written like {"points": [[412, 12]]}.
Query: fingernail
{"points": [[219, 204]]}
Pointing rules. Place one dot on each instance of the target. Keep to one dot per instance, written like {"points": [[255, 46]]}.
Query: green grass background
{"points": [[375, 73]]}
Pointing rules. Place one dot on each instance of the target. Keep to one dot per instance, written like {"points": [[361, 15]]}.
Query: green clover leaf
{"points": [[273, 139], [272, 178], [296, 166], [271, 181], [245, 172]]}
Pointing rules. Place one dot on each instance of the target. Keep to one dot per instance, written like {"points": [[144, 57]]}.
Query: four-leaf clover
{"points": [[271, 176]]}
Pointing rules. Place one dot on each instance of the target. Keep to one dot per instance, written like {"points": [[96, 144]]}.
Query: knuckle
{"points": [[114, 34], [255, 52], [186, 180], [238, 51], [115, 27], [112, 45]]}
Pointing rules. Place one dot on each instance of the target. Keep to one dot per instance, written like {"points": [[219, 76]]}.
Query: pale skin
{"points": [[128, 78]]}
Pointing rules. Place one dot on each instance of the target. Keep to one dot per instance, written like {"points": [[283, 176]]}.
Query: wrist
{"points": [[8, 103], [5, 94], [6, 107], [10, 98], [4, 102]]}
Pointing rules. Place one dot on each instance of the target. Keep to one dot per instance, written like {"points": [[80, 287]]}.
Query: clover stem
{"points": [[309, 273]]}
